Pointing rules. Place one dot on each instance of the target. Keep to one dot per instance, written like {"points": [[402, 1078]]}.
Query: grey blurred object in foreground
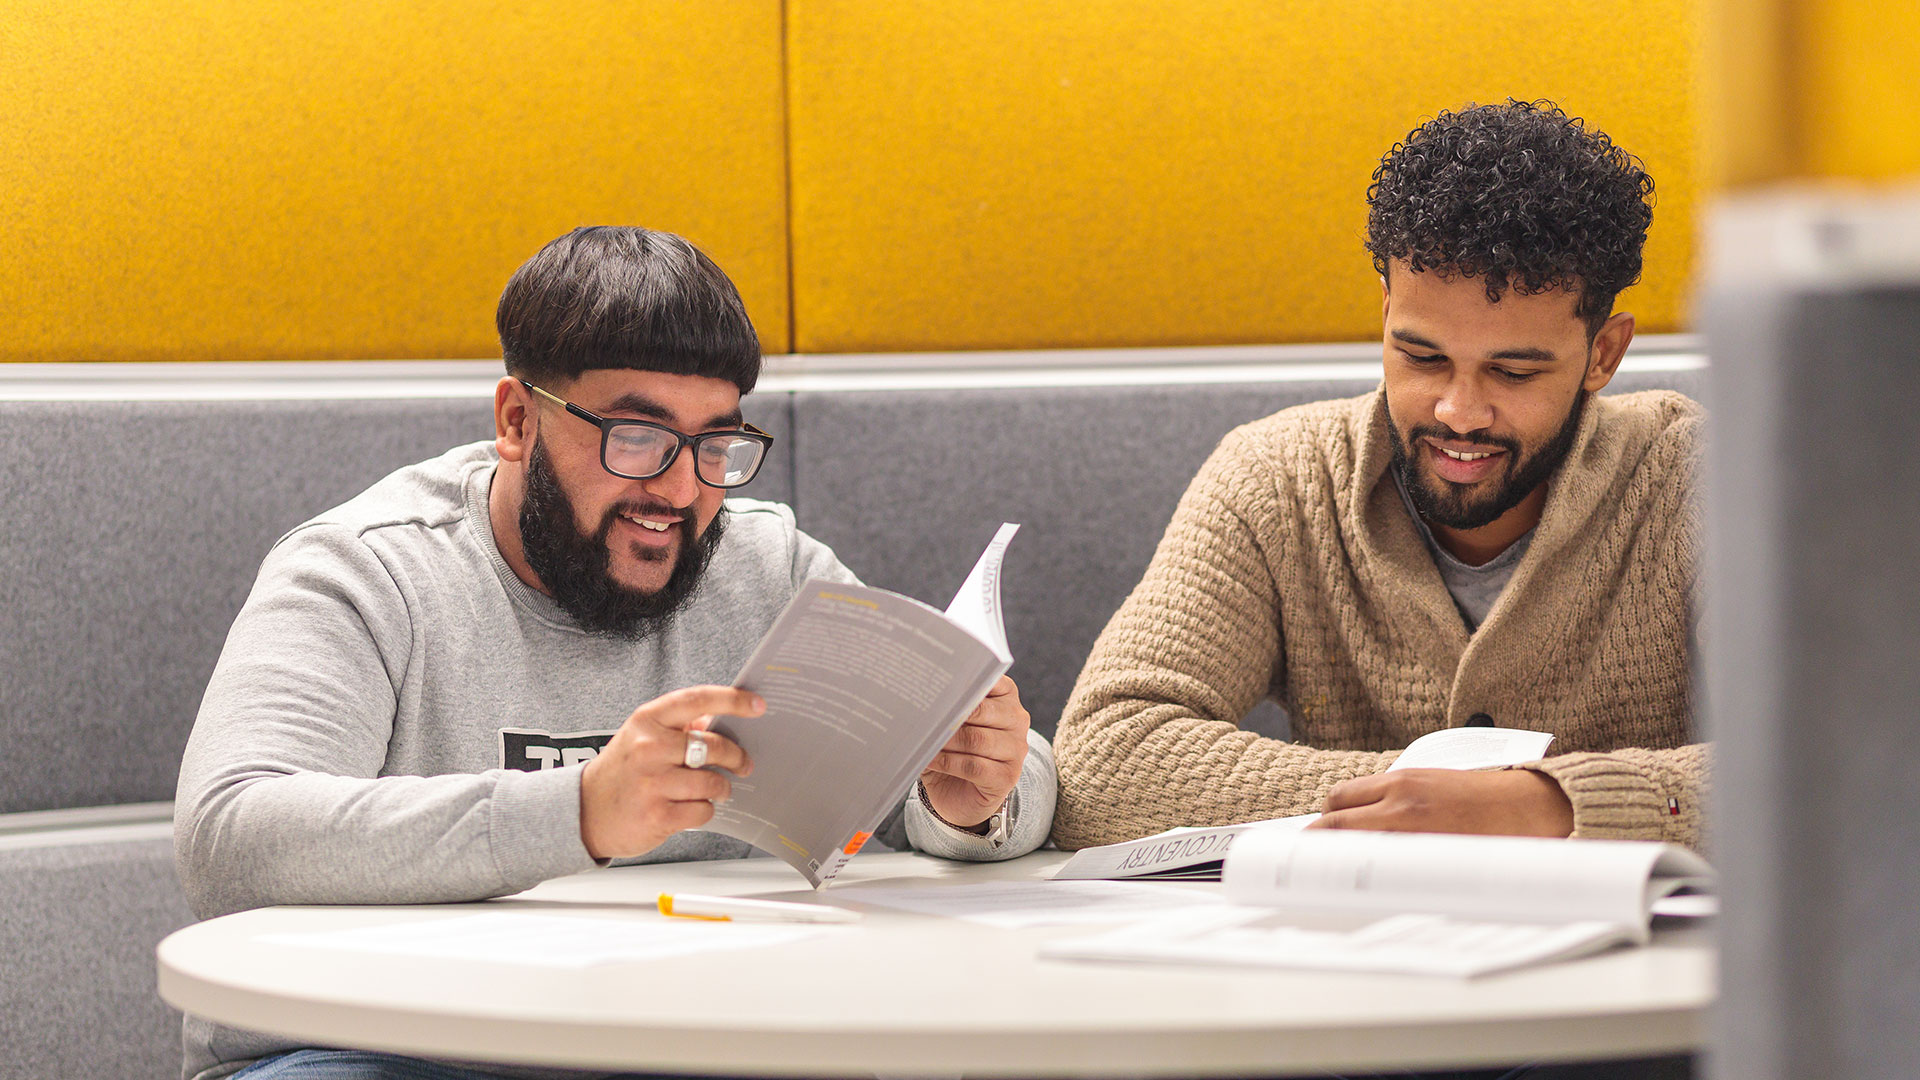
{"points": [[1812, 639]]}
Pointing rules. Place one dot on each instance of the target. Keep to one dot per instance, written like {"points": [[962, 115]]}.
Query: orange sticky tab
{"points": [[854, 845]]}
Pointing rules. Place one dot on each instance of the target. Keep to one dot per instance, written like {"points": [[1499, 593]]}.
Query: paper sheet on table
{"points": [[1416, 944], [1014, 904], [1473, 748], [547, 940]]}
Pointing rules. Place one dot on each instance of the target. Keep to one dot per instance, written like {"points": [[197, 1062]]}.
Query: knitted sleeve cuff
{"points": [[1612, 799]]}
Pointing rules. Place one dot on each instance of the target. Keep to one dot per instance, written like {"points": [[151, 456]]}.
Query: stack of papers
{"points": [[1409, 944]]}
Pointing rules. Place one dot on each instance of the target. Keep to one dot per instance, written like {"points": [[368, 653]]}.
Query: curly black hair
{"points": [[1519, 194]]}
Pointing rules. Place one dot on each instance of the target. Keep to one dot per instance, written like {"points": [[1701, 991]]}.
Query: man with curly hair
{"points": [[1481, 541]]}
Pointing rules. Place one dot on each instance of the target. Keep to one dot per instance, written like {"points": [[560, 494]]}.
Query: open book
{"points": [[1195, 854], [1422, 903], [863, 687]]}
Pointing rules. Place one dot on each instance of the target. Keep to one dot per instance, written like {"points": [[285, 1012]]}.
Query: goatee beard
{"points": [[1452, 505], [574, 566]]}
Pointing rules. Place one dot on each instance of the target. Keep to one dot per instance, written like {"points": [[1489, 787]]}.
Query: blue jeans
{"points": [[1662, 1068], [1519, 1073], [368, 1065], [356, 1065]]}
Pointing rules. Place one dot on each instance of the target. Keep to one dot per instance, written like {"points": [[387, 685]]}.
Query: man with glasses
{"points": [[498, 666]]}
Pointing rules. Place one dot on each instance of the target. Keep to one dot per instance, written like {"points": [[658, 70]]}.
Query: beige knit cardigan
{"points": [[1292, 569]]}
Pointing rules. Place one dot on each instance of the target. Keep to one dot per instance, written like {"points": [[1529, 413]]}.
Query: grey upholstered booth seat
{"points": [[83, 910], [133, 529]]}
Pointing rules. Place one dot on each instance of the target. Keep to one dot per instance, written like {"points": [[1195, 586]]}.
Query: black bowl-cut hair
{"points": [[1519, 195], [621, 297]]}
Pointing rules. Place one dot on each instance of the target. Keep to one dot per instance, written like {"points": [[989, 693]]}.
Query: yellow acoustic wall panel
{"points": [[1812, 89], [230, 179], [1005, 173]]}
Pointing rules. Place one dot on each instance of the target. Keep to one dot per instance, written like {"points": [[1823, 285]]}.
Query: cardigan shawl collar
{"points": [[1588, 530]]}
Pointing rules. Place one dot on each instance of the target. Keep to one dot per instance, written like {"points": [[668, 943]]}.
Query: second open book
{"points": [[1419, 903]]}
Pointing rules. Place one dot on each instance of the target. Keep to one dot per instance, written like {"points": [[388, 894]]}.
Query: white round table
{"points": [[910, 995]]}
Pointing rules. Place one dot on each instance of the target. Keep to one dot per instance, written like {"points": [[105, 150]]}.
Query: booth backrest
{"points": [[133, 530], [908, 486], [132, 534]]}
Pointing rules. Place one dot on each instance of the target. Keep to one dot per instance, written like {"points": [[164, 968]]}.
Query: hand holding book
{"points": [[972, 774], [642, 788]]}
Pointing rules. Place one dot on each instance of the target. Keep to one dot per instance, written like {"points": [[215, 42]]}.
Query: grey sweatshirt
{"points": [[397, 718]]}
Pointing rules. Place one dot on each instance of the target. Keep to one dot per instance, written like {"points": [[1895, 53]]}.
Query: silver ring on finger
{"points": [[696, 750]]}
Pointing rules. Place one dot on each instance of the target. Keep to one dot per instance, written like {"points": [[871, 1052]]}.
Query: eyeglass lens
{"points": [[721, 458]]}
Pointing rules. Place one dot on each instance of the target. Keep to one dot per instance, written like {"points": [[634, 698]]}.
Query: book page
{"points": [[863, 687], [1473, 748], [1410, 944], [976, 607], [1487, 878]]}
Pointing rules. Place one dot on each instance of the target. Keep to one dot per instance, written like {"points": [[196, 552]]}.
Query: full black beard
{"points": [[573, 565], [1451, 504]]}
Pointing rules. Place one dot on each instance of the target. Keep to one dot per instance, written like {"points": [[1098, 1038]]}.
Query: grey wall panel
{"points": [[77, 968], [908, 486], [1691, 383], [131, 534], [132, 531], [1812, 661]]}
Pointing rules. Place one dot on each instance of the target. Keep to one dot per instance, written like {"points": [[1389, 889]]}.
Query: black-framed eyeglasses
{"points": [[642, 449]]}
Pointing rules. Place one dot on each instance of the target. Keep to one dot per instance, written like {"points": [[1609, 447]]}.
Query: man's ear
{"points": [[1386, 299], [513, 420], [1609, 348]]}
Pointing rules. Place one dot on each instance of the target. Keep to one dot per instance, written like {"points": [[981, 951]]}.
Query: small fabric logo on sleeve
{"points": [[532, 751]]}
